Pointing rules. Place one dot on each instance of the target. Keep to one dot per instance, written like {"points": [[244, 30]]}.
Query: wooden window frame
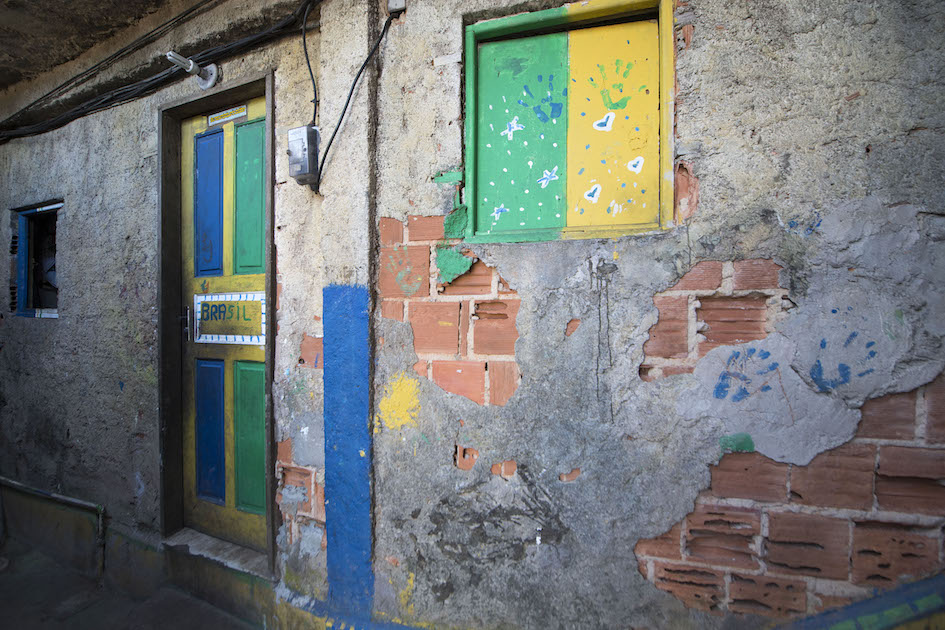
{"points": [[569, 17]]}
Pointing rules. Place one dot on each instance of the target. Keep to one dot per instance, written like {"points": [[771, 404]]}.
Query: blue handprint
{"points": [[734, 377], [844, 371], [554, 108]]}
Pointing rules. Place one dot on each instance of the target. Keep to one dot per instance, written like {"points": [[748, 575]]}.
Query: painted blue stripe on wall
{"points": [[347, 433], [208, 204], [208, 395]]}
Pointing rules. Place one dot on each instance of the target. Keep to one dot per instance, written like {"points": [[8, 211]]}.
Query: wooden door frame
{"points": [[170, 306]]}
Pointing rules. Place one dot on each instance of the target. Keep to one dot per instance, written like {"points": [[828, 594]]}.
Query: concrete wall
{"points": [[588, 392]]}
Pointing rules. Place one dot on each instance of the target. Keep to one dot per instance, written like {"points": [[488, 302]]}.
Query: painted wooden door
{"points": [[224, 272]]}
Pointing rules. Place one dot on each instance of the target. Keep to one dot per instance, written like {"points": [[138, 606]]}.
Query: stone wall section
{"points": [[780, 540], [464, 331]]}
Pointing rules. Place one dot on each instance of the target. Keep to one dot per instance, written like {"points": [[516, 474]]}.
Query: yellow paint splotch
{"points": [[405, 596], [400, 405]]}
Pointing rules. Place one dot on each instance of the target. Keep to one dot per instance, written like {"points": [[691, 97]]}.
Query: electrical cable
{"points": [[147, 86], [87, 74], [321, 165], [309, 64]]}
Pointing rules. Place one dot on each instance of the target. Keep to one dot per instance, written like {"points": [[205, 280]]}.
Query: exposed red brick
{"points": [[663, 546], [647, 373], [504, 287], [299, 477], [883, 553], [890, 417], [495, 331], [571, 327], [696, 587], [749, 476], [687, 31], [757, 273], [284, 451], [842, 477], [392, 309], [763, 595], [420, 367], [505, 469], [807, 544], [391, 232], [904, 461], [503, 381], [319, 512], [278, 292], [464, 328], [686, 187], [466, 378], [723, 535], [673, 370], [704, 276], [435, 326], [404, 271], [731, 320], [935, 404], [425, 228], [910, 494], [669, 336], [465, 458], [476, 281], [570, 476], [311, 352]]}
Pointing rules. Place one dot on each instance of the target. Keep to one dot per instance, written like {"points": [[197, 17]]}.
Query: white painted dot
{"points": [[644, 205], [490, 107], [558, 216], [557, 197], [505, 170], [489, 145], [522, 223], [503, 99], [542, 136], [554, 144], [513, 181], [530, 163], [634, 184], [485, 199], [506, 111], [526, 191], [554, 121], [525, 143], [539, 203], [491, 127], [509, 152], [492, 183], [521, 209], [609, 171]]}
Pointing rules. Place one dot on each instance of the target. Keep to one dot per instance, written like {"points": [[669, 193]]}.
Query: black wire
{"points": [[321, 165], [309, 64], [150, 85]]}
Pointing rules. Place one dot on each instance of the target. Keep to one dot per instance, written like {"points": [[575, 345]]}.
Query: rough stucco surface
{"points": [[794, 117]]}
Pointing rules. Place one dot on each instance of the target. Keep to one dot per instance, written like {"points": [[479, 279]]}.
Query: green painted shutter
{"points": [[248, 256], [249, 394]]}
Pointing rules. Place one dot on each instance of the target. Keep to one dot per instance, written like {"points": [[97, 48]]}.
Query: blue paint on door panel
{"points": [[208, 395], [208, 204], [348, 447]]}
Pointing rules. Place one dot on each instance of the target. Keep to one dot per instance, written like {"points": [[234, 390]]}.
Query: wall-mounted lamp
{"points": [[206, 76]]}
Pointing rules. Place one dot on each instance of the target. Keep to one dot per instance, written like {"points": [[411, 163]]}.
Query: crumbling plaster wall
{"points": [[805, 125], [79, 394]]}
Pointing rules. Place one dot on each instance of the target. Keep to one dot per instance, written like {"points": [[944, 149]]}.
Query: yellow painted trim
{"points": [[256, 108], [229, 195], [667, 112], [568, 234], [595, 9]]}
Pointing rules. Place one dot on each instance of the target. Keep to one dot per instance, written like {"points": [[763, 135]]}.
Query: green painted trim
{"points": [[472, 68], [449, 177], [530, 236], [737, 443], [451, 264], [513, 24]]}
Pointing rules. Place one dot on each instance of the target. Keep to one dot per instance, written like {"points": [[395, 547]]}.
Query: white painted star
{"points": [[497, 212], [548, 177], [511, 127]]}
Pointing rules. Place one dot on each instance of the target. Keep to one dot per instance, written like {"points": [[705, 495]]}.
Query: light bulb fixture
{"points": [[206, 76]]}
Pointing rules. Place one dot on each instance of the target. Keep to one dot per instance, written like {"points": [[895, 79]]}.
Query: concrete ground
{"points": [[37, 593]]}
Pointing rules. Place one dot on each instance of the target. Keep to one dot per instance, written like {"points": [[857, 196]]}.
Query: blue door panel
{"points": [[208, 205], [208, 395]]}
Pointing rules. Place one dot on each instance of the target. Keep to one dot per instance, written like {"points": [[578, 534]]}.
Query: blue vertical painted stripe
{"points": [[347, 434], [208, 204], [22, 263], [208, 395]]}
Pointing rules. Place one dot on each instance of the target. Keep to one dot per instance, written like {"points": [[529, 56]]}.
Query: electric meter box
{"points": [[303, 154]]}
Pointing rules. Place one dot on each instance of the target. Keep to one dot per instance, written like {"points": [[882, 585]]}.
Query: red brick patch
{"points": [[669, 336], [807, 544], [704, 276], [758, 273], [284, 451], [910, 494], [842, 477], [435, 326], [902, 461], [425, 228], [466, 378], [569, 476], [312, 352], [731, 320], [663, 546], [404, 271], [750, 476], [935, 404], [391, 232], [299, 477], [883, 553], [890, 417], [763, 595], [723, 536], [686, 187], [503, 381], [476, 281], [505, 469], [465, 458], [495, 332], [571, 327], [392, 310], [696, 587]]}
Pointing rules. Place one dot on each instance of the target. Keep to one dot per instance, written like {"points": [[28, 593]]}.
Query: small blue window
{"points": [[36, 291]]}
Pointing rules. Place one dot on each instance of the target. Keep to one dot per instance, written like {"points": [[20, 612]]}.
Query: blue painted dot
{"points": [[624, 185], [833, 310], [636, 129], [823, 343], [587, 146], [603, 161], [643, 191], [587, 99], [625, 117], [580, 171], [629, 200], [583, 114], [575, 80], [539, 77]]}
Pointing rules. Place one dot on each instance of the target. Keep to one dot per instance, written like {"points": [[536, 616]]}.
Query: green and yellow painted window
{"points": [[568, 129]]}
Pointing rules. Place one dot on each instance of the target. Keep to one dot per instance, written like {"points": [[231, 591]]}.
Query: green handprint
{"points": [[621, 72]]}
